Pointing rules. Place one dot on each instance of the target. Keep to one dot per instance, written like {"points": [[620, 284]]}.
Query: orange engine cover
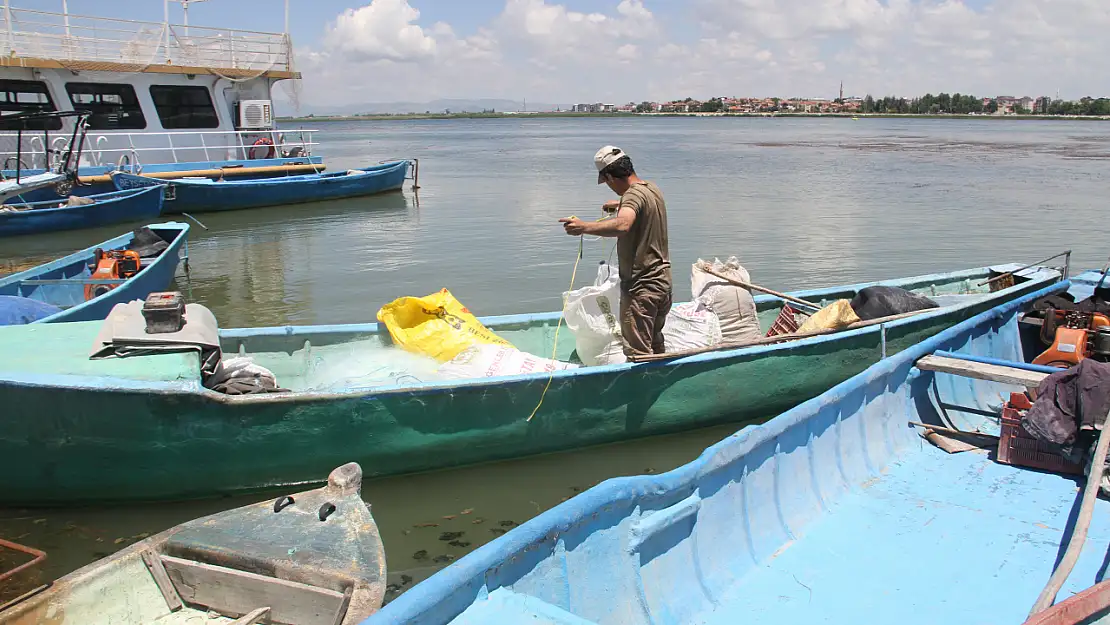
{"points": [[112, 265], [1068, 348]]}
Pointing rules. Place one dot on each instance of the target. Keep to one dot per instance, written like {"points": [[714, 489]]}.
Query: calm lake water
{"points": [[802, 202]]}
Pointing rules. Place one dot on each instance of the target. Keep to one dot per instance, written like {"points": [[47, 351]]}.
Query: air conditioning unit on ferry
{"points": [[256, 114]]}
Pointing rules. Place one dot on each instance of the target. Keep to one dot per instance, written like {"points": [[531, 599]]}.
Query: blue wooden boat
{"points": [[132, 205], [56, 291], [836, 511], [96, 179], [353, 395], [206, 195]]}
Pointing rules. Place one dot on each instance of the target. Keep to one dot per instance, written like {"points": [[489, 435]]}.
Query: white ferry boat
{"points": [[166, 99]]}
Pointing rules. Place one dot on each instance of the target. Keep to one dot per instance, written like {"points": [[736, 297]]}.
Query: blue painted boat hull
{"points": [[836, 511], [196, 196], [107, 208], [157, 168], [153, 277]]}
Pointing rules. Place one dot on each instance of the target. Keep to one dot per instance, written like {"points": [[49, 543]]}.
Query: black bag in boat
{"points": [[146, 243], [874, 302]]}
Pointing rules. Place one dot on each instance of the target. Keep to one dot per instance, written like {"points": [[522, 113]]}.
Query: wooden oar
{"points": [[1082, 524], [756, 287], [770, 340]]}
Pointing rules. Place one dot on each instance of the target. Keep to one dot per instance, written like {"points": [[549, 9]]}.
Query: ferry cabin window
{"points": [[184, 107], [113, 106], [26, 96]]}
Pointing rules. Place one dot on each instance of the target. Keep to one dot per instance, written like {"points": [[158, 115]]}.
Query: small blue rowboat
{"points": [[837, 511], [57, 290], [132, 205], [199, 195]]}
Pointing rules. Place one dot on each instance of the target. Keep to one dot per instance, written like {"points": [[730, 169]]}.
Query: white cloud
{"points": [[549, 52], [628, 52], [381, 30]]}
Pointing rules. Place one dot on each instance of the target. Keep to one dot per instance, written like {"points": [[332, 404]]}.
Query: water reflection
{"points": [[477, 503]]}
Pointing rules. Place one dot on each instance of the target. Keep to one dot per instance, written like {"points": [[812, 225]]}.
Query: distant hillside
{"points": [[435, 106]]}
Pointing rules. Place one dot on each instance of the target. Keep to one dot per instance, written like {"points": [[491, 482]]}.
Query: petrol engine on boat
{"points": [[1073, 331], [1072, 336], [111, 265]]}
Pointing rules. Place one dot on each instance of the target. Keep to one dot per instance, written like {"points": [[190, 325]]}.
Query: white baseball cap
{"points": [[605, 157]]}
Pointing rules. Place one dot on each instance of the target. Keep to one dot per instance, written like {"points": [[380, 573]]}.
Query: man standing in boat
{"points": [[639, 221]]}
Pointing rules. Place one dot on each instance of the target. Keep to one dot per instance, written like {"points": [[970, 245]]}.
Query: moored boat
{"points": [[139, 263], [161, 98], [310, 558], [836, 511], [206, 195], [95, 210], [351, 394]]}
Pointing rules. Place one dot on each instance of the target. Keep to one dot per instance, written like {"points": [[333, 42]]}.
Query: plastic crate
{"points": [[786, 323], [1019, 448]]}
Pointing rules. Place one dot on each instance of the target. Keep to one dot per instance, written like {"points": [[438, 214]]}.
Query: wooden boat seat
{"points": [[239, 594], [982, 371]]}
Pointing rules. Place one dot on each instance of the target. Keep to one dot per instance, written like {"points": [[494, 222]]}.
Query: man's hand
{"points": [[573, 226], [611, 206]]}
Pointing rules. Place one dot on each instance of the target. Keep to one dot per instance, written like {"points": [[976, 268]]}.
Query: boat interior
{"points": [[63, 202], [351, 359], [331, 359], [64, 283], [833, 510]]}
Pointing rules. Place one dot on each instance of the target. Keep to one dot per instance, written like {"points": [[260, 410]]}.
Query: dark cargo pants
{"points": [[642, 317]]}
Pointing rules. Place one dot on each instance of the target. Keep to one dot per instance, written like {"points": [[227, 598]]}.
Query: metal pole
{"points": [[65, 14], [185, 15], [8, 21], [166, 27], [286, 17]]}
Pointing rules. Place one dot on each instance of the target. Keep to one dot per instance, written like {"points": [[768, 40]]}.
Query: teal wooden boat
{"points": [[145, 428], [837, 511], [311, 558]]}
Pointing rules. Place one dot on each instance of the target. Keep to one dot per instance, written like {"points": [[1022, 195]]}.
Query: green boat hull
{"points": [[97, 435]]}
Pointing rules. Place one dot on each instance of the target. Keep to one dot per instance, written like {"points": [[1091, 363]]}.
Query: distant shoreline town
{"points": [[929, 105]]}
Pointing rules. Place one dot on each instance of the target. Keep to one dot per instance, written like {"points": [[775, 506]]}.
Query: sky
{"points": [[617, 51]]}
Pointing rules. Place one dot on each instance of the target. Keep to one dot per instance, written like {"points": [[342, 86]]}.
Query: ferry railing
{"points": [[114, 148], [78, 38]]}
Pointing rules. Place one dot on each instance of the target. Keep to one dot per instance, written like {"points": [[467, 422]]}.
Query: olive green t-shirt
{"points": [[642, 254]]}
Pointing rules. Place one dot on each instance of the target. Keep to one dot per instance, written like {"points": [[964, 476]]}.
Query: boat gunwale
{"points": [[194, 387], [175, 244], [379, 169], [471, 571]]}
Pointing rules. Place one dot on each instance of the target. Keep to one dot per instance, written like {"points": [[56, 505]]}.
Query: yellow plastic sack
{"points": [[437, 325], [835, 316]]}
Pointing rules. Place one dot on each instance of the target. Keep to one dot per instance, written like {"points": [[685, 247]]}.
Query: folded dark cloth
{"points": [[1067, 402]]}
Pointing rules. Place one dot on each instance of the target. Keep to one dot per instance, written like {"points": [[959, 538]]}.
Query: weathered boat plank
{"points": [[235, 593], [158, 572], [982, 371]]}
